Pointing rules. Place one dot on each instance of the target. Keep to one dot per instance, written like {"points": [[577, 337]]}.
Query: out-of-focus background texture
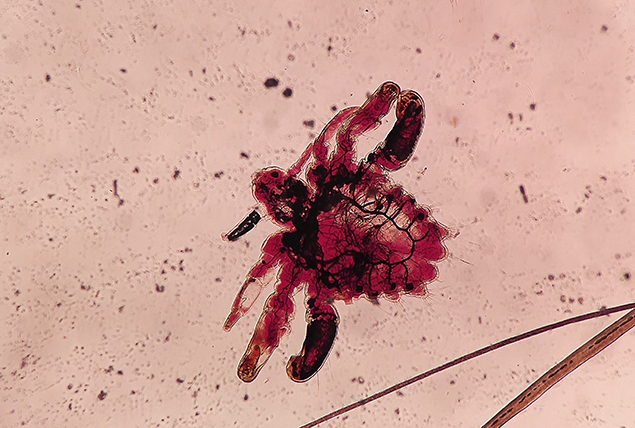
{"points": [[129, 132]]}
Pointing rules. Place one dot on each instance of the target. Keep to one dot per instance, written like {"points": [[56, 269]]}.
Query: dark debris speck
{"points": [[271, 82], [496, 37], [102, 395], [309, 123], [287, 92], [160, 288], [244, 155]]}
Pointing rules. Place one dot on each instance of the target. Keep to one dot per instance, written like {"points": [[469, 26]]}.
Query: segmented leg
{"points": [[365, 119], [272, 325], [319, 147], [320, 334], [253, 285], [399, 145]]}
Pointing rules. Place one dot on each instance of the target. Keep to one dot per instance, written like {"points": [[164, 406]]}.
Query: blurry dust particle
{"points": [[48, 77], [287, 92], [160, 288], [271, 82], [102, 395], [604, 28]]}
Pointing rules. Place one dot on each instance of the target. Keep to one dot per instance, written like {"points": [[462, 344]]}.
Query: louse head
{"points": [[285, 197]]}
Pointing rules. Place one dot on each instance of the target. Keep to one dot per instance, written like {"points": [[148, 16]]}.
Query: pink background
{"points": [[165, 86]]}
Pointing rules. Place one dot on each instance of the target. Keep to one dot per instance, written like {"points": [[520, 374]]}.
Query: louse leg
{"points": [[320, 334], [365, 119], [319, 147], [254, 283], [395, 151], [272, 326]]}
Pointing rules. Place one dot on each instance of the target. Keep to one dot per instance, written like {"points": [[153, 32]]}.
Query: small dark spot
{"points": [[563, 298], [309, 123], [50, 239], [271, 82], [496, 37], [520, 117], [603, 178], [571, 300], [287, 92], [604, 28], [438, 76], [102, 395], [452, 382], [154, 27], [79, 6], [246, 397], [244, 155], [333, 108], [191, 73], [204, 70], [578, 210], [218, 174], [160, 288], [120, 309], [218, 279], [532, 106], [522, 192], [48, 77], [510, 115], [418, 50], [155, 181], [399, 394], [179, 380], [123, 70], [136, 170], [50, 195], [291, 57], [176, 174], [217, 386], [580, 300], [551, 277], [69, 386], [512, 45], [329, 48], [396, 411], [211, 99], [627, 276]]}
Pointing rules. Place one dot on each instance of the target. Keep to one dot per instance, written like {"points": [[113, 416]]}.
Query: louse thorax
{"points": [[286, 198]]}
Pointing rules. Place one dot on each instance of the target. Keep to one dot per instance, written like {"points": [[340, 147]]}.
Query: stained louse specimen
{"points": [[347, 232]]}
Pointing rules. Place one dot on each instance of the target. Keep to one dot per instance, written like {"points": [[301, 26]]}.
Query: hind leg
{"points": [[320, 334], [272, 326]]}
